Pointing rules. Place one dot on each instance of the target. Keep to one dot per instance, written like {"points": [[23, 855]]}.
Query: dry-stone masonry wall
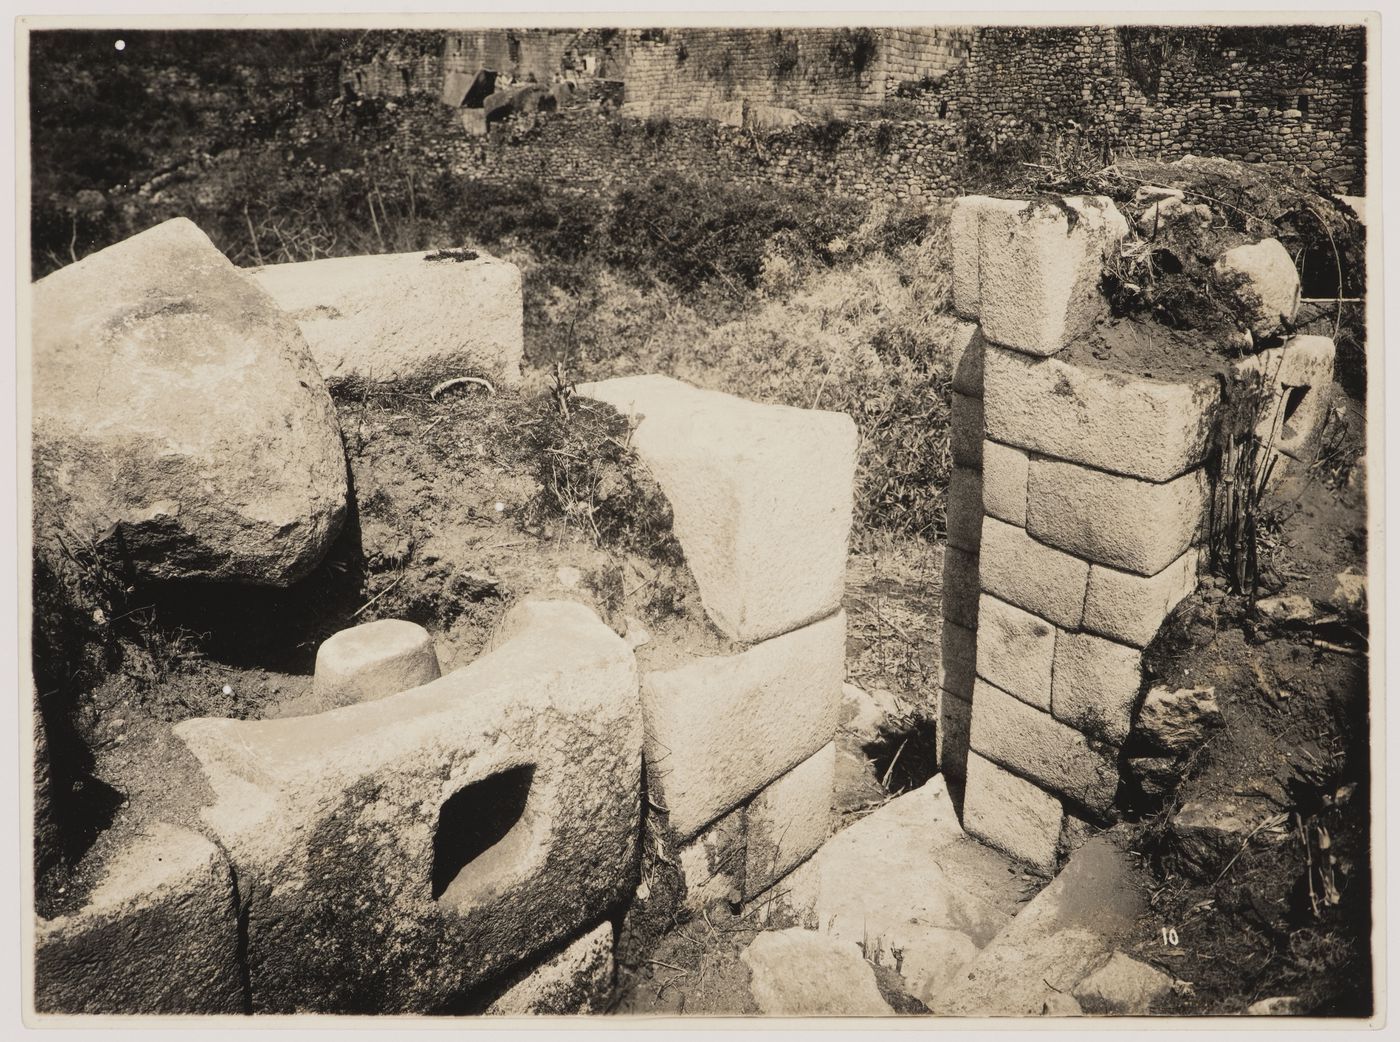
{"points": [[1076, 510], [1259, 94]]}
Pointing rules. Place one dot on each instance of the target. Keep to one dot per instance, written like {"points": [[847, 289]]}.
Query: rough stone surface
{"points": [[761, 497], [1207, 834], [957, 667], [954, 727], [1031, 575], [1005, 470], [391, 317], [1132, 608], [868, 715], [962, 587], [1176, 721], [1016, 816], [1127, 425], [803, 973], [713, 863], [964, 219], [1172, 212], [719, 729], [1135, 526], [179, 422], [1277, 1006], [900, 881], [965, 431], [788, 820], [1015, 651], [967, 347], [965, 509], [574, 981], [1035, 744], [159, 935], [1038, 275], [1301, 373], [1270, 289], [373, 660], [1054, 942], [1124, 986], [396, 852], [1096, 685], [1349, 593]]}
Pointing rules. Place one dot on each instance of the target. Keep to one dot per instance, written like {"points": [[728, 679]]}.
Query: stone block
{"points": [[158, 935], [789, 820], [958, 663], [965, 431], [1033, 743], [1126, 425], [1038, 274], [1122, 986], [370, 661], [576, 980], [964, 220], [761, 497], [396, 852], [1301, 374], [719, 729], [967, 347], [962, 587], [1004, 473], [1136, 526], [1131, 608], [1031, 575], [803, 973], [953, 729], [1264, 281], [1015, 651], [713, 863], [965, 509], [1011, 814], [1096, 685], [386, 318]]}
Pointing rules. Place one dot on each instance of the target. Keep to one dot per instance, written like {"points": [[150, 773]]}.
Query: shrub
{"points": [[854, 49]]}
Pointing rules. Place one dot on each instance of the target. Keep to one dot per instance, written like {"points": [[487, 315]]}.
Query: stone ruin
{"points": [[1077, 510], [414, 837]]}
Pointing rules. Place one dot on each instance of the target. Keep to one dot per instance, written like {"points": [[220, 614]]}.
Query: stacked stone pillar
{"points": [[1077, 523]]}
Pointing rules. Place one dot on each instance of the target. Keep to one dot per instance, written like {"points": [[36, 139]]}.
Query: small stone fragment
{"points": [[1123, 986], [1175, 721], [803, 973]]}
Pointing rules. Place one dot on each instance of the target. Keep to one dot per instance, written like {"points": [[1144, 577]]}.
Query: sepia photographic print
{"points": [[766, 517]]}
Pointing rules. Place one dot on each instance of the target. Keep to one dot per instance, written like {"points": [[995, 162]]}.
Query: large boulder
{"points": [[1265, 283], [180, 424]]}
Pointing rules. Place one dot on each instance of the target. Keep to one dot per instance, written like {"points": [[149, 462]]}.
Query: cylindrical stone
{"points": [[373, 661]]}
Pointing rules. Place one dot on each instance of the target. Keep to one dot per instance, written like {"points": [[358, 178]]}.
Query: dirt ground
{"points": [[1289, 915]]}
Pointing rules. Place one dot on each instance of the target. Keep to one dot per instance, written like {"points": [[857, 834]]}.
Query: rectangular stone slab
{"points": [[1135, 526], [1032, 743], [397, 853], [400, 316], [788, 820], [1140, 428], [718, 729]]}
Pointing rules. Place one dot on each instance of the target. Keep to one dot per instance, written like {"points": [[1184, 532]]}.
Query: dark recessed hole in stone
{"points": [[482, 831], [1318, 271], [1293, 400], [1167, 262]]}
